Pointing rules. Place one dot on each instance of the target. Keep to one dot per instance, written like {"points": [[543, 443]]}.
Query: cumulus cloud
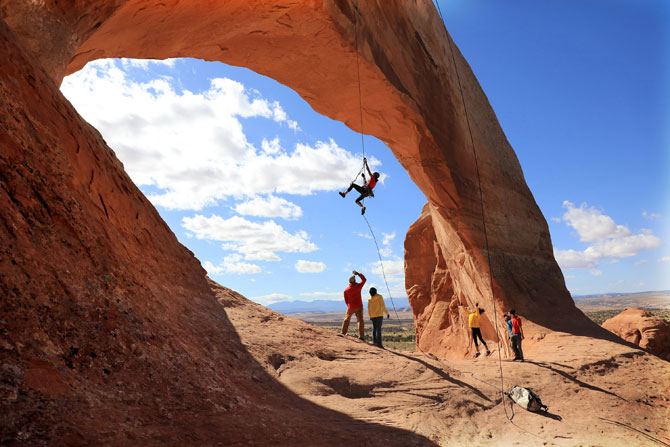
{"points": [[386, 250], [191, 146], [607, 239], [596, 272], [591, 225], [231, 265], [303, 266], [256, 241], [270, 206], [664, 259], [640, 262], [393, 268]]}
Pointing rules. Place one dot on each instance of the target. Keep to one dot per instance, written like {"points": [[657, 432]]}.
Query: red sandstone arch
{"points": [[412, 102]]}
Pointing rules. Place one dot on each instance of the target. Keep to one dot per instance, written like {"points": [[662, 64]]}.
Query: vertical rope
{"points": [[358, 73], [481, 203], [381, 263]]}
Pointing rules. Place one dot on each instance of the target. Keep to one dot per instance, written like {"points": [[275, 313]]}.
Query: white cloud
{"points": [[303, 266], [272, 298], [386, 250], [591, 225], [363, 235], [231, 265], [393, 268], [271, 206], [650, 216], [272, 146], [212, 269], [640, 262], [596, 272], [253, 240], [191, 147], [664, 259], [573, 259], [608, 240]]}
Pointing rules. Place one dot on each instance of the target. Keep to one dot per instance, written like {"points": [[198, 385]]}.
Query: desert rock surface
{"points": [[642, 329], [110, 333], [586, 382]]}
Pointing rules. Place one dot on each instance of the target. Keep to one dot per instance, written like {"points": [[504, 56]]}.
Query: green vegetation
{"points": [[395, 335]]}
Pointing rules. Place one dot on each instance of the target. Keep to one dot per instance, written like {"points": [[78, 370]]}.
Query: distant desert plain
{"points": [[398, 331]]}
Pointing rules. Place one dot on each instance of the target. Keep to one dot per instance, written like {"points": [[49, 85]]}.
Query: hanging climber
{"points": [[366, 189], [473, 323]]}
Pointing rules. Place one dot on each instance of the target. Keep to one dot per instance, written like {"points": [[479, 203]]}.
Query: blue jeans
{"points": [[377, 330]]}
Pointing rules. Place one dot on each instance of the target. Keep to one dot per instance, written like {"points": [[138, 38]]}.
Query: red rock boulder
{"points": [[642, 328]]}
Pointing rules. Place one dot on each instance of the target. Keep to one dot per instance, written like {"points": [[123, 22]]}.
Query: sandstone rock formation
{"points": [[109, 332], [420, 98], [642, 329]]}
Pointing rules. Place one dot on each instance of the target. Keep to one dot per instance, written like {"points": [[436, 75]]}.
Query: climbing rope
{"points": [[358, 73], [481, 203], [381, 263]]}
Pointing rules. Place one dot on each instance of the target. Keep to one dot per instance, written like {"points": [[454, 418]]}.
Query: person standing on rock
{"points": [[377, 309], [517, 336], [508, 320], [352, 297], [473, 324], [366, 189]]}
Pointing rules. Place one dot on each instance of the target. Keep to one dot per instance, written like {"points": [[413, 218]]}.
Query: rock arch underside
{"points": [[110, 332]]}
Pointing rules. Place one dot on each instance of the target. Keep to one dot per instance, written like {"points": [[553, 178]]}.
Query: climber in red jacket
{"points": [[352, 297], [366, 189]]}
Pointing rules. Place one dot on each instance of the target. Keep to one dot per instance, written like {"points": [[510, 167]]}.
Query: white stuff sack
{"points": [[526, 398]]}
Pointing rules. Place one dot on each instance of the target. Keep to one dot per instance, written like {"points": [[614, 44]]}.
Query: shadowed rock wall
{"points": [[110, 333], [411, 100]]}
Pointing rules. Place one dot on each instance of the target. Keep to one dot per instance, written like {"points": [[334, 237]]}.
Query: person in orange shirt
{"points": [[473, 324], [366, 189], [352, 297]]}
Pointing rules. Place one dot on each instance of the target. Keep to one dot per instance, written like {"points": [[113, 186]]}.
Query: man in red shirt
{"points": [[517, 336], [352, 296], [366, 189]]}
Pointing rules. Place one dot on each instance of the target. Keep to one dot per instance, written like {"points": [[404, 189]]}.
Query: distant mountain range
{"points": [[289, 307]]}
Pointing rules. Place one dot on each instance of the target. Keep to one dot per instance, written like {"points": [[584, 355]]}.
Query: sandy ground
{"points": [[599, 393]]}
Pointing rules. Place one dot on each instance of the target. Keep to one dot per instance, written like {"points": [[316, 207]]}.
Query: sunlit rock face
{"points": [[104, 310], [643, 329]]}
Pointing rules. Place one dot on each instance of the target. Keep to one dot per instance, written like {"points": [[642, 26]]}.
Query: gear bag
{"points": [[527, 399]]}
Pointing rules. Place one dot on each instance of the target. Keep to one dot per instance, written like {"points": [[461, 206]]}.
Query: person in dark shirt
{"points": [[366, 189]]}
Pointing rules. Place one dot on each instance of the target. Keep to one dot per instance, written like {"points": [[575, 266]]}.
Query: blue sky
{"points": [[246, 173]]}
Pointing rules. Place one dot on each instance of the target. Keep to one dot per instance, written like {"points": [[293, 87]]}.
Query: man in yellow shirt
{"points": [[377, 309], [473, 324]]}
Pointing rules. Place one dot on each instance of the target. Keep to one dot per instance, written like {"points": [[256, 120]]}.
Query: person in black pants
{"points": [[376, 310], [517, 336], [366, 189]]}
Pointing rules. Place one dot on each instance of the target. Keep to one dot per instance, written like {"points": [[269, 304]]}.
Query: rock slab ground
{"points": [[599, 393]]}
